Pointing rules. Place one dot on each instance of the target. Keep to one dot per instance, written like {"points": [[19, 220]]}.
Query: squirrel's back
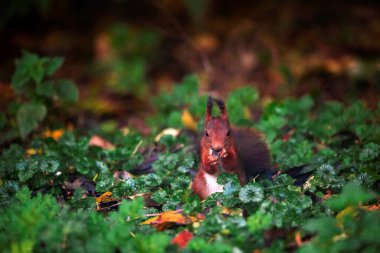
{"points": [[253, 152]]}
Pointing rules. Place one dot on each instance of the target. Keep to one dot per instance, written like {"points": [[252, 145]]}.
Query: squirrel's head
{"points": [[217, 130]]}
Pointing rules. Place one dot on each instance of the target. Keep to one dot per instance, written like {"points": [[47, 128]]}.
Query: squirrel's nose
{"points": [[217, 149]]}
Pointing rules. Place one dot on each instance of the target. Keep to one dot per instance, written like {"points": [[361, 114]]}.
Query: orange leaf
{"points": [[151, 220], [168, 219], [100, 142], [105, 197], [55, 134], [174, 217], [182, 239], [298, 239], [373, 207]]}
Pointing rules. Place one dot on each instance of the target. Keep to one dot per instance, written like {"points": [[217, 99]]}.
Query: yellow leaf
{"points": [[339, 237], [168, 131], [150, 221], [350, 211], [32, 151], [247, 113], [188, 120], [235, 212]]}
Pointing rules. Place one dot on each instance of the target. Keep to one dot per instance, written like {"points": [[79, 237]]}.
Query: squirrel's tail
{"points": [[300, 173]]}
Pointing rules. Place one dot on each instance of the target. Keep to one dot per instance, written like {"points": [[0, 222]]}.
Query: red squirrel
{"points": [[226, 149]]}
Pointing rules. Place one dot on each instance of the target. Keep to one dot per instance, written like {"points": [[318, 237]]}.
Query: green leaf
{"points": [[259, 221], [160, 196], [370, 152], [238, 101], [28, 117], [37, 72], [45, 88], [53, 64], [326, 226], [352, 194], [50, 166], [24, 68], [129, 210], [245, 96], [67, 91], [251, 192]]}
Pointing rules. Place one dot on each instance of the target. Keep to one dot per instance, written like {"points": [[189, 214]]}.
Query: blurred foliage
{"points": [[44, 208], [126, 62], [36, 93], [20, 8], [197, 10], [170, 106], [353, 229]]}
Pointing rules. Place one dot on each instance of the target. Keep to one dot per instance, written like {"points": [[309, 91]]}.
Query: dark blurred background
{"points": [[121, 52]]}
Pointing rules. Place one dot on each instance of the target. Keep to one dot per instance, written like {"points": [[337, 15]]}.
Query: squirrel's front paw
{"points": [[212, 160], [224, 153]]}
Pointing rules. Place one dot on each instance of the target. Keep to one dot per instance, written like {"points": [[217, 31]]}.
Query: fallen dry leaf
{"points": [[288, 135], [298, 238], [54, 134], [205, 42], [234, 212], [105, 198], [327, 195], [168, 131], [169, 218], [100, 142], [182, 239], [348, 211], [32, 151], [373, 207]]}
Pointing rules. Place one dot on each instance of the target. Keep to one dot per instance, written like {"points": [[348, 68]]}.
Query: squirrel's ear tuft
{"points": [[220, 104], [222, 107], [209, 107]]}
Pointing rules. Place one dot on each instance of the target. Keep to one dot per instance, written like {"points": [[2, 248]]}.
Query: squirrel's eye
{"points": [[206, 134], [228, 133]]}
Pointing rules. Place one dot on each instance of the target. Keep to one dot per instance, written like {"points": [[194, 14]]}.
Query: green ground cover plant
{"points": [[51, 199]]}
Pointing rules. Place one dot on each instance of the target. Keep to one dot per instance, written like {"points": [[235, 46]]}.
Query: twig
{"points": [[103, 208], [136, 148]]}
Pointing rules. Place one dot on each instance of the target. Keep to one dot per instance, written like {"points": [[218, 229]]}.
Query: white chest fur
{"points": [[211, 184]]}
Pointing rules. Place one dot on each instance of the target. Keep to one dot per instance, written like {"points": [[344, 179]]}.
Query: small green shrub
{"points": [[35, 93]]}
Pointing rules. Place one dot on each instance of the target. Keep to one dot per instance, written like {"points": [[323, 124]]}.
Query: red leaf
{"points": [[288, 135], [182, 239]]}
